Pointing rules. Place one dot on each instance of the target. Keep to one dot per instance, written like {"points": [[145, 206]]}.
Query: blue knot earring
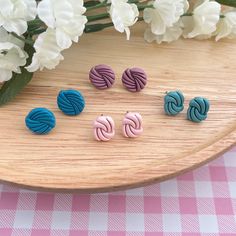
{"points": [[70, 102], [40, 121], [173, 103], [198, 108]]}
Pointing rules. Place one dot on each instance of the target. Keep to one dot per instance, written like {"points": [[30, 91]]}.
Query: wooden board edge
{"points": [[222, 145]]}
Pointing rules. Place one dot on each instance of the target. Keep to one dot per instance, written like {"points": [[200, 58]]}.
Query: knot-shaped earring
{"points": [[40, 121], [173, 103], [102, 76], [132, 125], [104, 128], [198, 108], [134, 79], [71, 102]]}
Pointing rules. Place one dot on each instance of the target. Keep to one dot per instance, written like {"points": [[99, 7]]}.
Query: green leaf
{"points": [[12, 87], [231, 3]]}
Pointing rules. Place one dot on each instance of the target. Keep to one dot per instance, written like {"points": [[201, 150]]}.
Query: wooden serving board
{"points": [[69, 159]]}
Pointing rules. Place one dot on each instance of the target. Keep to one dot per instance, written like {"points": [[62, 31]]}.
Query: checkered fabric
{"points": [[202, 202]]}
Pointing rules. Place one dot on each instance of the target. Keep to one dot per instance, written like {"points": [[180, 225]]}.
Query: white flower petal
{"points": [[63, 40], [223, 29], [149, 36], [65, 16], [123, 15], [226, 28], [127, 31], [48, 53], [148, 15], [31, 9], [34, 66], [5, 75], [78, 7], [45, 13], [18, 26], [171, 34], [205, 17], [8, 7], [63, 12], [14, 14], [164, 15], [12, 56]]}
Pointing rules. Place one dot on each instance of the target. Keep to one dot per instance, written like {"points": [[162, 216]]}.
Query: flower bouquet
{"points": [[33, 33]]}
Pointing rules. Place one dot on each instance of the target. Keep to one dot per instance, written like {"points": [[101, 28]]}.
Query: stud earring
{"points": [[102, 76], [104, 128], [132, 125], [40, 121], [173, 103], [198, 109], [70, 102], [134, 79]]}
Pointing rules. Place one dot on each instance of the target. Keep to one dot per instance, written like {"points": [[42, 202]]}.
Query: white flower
{"points": [[12, 55], [66, 17], [205, 18], [171, 34], [123, 15], [14, 14], [164, 14], [47, 52], [226, 28]]}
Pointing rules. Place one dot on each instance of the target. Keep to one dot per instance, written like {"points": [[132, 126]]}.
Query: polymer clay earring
{"points": [[134, 79], [40, 121], [198, 109], [103, 128], [173, 103], [70, 102], [132, 125], [102, 76]]}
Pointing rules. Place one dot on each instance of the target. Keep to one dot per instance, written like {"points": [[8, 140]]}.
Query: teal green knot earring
{"points": [[174, 103], [198, 108]]}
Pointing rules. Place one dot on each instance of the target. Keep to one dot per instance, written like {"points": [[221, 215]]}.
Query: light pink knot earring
{"points": [[104, 128], [132, 125]]}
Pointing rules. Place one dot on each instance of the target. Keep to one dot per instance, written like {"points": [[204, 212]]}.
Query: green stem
{"points": [[187, 14], [105, 4], [133, 1], [38, 31], [140, 18], [191, 14], [231, 3], [102, 4], [98, 17], [142, 7], [27, 41], [91, 3], [35, 21], [97, 27]]}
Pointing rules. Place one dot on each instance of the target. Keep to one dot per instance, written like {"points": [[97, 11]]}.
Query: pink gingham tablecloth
{"points": [[201, 202]]}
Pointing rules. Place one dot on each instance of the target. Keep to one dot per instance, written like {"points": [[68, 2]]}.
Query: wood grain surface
{"points": [[69, 159]]}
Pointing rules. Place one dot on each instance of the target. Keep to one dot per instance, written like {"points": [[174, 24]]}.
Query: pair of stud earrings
{"points": [[104, 126], [197, 110], [103, 77], [42, 120]]}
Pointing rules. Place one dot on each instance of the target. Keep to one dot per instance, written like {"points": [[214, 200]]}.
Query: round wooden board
{"points": [[69, 159]]}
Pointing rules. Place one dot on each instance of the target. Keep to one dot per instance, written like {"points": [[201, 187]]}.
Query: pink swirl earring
{"points": [[104, 128], [132, 125]]}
